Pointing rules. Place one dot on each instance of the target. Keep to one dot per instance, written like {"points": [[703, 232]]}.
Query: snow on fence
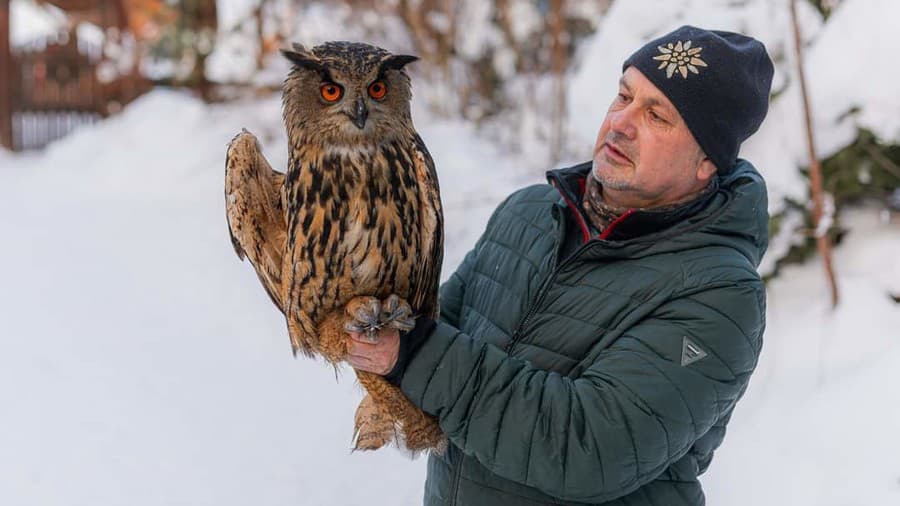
{"points": [[57, 86]]}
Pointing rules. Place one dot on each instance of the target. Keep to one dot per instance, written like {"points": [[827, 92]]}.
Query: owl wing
{"points": [[425, 287], [254, 211]]}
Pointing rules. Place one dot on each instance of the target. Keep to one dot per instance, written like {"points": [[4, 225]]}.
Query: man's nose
{"points": [[623, 121]]}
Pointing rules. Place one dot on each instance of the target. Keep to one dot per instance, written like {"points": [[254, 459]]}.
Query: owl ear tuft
{"points": [[397, 61], [302, 58]]}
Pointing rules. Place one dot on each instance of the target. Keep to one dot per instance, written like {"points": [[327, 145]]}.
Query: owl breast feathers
{"points": [[351, 235]]}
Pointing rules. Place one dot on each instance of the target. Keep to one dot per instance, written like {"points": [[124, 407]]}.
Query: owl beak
{"points": [[360, 114]]}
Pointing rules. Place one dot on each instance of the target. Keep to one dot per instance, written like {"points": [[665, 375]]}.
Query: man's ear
{"points": [[706, 169]]}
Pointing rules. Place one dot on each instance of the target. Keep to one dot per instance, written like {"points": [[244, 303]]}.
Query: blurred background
{"points": [[142, 364]]}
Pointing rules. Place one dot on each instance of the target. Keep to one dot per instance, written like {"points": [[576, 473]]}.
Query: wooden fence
{"points": [[56, 88]]}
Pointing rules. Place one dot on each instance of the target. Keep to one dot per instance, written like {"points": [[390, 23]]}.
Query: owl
{"points": [[350, 237]]}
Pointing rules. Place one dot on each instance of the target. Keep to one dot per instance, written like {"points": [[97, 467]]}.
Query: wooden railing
{"points": [[56, 87]]}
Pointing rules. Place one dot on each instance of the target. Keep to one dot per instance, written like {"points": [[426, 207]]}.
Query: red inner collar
{"points": [[579, 215]]}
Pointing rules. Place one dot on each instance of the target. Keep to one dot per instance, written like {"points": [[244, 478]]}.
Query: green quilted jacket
{"points": [[607, 377]]}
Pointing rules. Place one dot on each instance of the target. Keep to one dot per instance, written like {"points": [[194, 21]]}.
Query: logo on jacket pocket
{"points": [[691, 352]]}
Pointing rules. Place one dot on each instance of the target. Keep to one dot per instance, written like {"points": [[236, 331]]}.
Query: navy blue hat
{"points": [[718, 81]]}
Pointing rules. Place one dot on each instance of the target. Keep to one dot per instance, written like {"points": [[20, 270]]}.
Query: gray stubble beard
{"points": [[613, 183]]}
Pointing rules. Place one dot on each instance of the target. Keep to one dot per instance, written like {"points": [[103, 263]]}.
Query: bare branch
{"points": [[823, 244]]}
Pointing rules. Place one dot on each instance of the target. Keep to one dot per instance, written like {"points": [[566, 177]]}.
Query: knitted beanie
{"points": [[718, 81]]}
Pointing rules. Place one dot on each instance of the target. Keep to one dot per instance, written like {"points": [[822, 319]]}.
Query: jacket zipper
{"points": [[538, 300], [542, 291], [456, 470]]}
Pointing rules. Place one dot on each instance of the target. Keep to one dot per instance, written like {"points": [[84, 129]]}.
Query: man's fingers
{"points": [[362, 348], [378, 357], [366, 364], [360, 362], [364, 337]]}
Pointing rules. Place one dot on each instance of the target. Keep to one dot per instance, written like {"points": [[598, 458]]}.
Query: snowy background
{"points": [[141, 363]]}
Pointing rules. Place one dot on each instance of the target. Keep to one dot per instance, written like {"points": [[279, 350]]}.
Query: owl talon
{"points": [[359, 328], [368, 315], [396, 313], [364, 315]]}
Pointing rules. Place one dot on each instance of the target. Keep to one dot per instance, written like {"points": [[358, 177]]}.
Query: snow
{"points": [[818, 425], [479, 32], [29, 21], [853, 50], [846, 70], [774, 150], [846, 63], [142, 363]]}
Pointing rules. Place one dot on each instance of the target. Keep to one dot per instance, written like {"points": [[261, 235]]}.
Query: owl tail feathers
{"points": [[386, 416], [374, 428], [296, 324], [420, 432], [414, 441], [301, 348]]}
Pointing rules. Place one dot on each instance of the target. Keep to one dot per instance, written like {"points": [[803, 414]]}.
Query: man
{"points": [[593, 344]]}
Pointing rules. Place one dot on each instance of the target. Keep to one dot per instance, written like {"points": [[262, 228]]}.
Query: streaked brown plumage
{"points": [[356, 218]]}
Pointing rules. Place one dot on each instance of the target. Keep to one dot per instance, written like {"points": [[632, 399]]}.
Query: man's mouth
{"points": [[615, 154]]}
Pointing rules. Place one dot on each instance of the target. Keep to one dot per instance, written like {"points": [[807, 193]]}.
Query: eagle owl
{"points": [[350, 236]]}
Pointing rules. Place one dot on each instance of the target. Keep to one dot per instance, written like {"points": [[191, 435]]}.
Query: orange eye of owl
{"points": [[331, 92], [377, 90]]}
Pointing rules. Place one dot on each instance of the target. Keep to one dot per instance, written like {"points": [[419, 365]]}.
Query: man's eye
{"points": [[656, 117], [623, 98]]}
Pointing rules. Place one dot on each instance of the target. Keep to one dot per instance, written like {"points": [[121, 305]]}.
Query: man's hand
{"points": [[378, 357]]}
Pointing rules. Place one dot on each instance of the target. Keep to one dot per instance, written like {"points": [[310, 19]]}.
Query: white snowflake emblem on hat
{"points": [[680, 56]]}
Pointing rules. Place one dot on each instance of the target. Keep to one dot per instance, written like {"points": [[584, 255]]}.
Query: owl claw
{"points": [[364, 313], [369, 315], [396, 313], [359, 328]]}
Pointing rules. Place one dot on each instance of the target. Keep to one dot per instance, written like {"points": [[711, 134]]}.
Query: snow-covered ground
{"points": [[819, 424], [142, 364], [140, 361]]}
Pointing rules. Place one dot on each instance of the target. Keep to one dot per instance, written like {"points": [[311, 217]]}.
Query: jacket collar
{"points": [[570, 182]]}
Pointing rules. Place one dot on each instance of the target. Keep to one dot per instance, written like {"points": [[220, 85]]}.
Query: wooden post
{"points": [[6, 69], [815, 169], [558, 65]]}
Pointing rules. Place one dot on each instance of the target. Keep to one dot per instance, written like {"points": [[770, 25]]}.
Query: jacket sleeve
{"points": [[634, 411], [452, 291]]}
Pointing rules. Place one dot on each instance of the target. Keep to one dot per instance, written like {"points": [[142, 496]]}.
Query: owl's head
{"points": [[346, 93]]}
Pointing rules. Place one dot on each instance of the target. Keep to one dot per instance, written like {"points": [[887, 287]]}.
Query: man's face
{"points": [[645, 156]]}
